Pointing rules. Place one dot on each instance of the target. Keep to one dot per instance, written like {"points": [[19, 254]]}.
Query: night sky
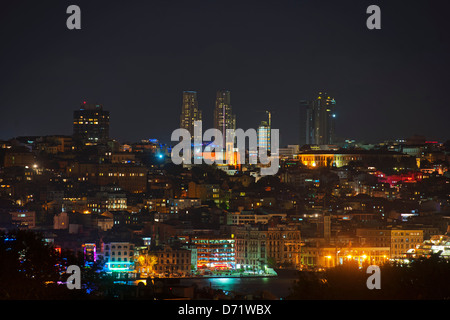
{"points": [[136, 58]]}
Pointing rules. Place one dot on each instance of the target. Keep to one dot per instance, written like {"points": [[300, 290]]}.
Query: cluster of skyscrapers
{"points": [[223, 114], [317, 120], [224, 118]]}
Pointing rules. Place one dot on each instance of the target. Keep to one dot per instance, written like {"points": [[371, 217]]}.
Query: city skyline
{"points": [[332, 181], [389, 83]]}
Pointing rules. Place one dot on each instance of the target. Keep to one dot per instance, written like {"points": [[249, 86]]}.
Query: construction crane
{"points": [[269, 113], [270, 118]]}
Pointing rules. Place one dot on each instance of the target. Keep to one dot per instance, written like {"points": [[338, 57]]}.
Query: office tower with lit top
{"points": [[320, 120], [223, 116], [91, 124], [264, 136], [190, 111]]}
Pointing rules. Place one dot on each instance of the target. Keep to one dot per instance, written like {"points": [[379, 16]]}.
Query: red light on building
{"points": [[393, 180]]}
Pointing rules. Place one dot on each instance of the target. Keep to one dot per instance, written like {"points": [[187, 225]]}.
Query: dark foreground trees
{"points": [[421, 279], [31, 269]]}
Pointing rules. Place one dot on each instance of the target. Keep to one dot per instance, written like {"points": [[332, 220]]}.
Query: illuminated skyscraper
{"points": [[223, 116], [190, 111], [320, 120], [91, 124], [264, 132], [264, 136]]}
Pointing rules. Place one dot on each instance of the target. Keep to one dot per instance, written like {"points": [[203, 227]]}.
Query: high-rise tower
{"points": [[223, 116], [264, 132], [190, 111], [91, 124], [320, 120], [264, 136]]}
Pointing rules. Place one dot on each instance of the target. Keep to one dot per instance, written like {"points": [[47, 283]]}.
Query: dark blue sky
{"points": [[136, 58]]}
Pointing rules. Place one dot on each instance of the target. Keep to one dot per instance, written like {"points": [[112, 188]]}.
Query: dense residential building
{"points": [[55, 144], [252, 217], [24, 219], [19, 158], [106, 201], [170, 205], [131, 178], [204, 192]]}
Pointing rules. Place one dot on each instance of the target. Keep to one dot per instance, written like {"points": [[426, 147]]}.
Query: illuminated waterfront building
{"points": [[436, 245], [256, 245], [215, 252], [163, 261], [251, 248], [331, 256], [117, 256]]}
